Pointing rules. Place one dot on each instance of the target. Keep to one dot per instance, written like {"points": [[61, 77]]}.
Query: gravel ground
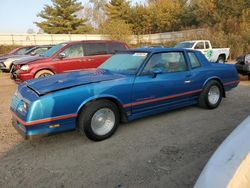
{"points": [[166, 150]]}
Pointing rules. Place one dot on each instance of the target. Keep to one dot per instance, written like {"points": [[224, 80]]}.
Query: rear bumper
{"points": [[243, 69], [40, 130]]}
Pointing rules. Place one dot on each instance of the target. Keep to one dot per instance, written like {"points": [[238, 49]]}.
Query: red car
{"points": [[66, 57]]}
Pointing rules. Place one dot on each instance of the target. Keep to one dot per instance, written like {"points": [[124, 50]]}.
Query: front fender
{"points": [[98, 97], [43, 67]]}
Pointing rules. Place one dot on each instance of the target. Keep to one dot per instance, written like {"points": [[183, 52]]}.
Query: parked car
{"points": [[218, 55], [17, 52], [37, 50], [129, 85], [229, 165], [65, 57], [243, 65]]}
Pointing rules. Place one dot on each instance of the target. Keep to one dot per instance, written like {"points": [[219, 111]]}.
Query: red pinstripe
{"points": [[173, 96], [231, 83], [162, 98], [125, 105], [43, 120]]}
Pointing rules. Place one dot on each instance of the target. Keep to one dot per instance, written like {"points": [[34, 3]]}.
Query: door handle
{"points": [[90, 59], [188, 81], [87, 60]]}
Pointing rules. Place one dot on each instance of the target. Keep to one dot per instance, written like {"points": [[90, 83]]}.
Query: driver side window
{"points": [[74, 51], [167, 62]]}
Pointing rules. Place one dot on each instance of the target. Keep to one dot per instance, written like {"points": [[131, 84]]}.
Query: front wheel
{"points": [[43, 73], [211, 95], [99, 120]]}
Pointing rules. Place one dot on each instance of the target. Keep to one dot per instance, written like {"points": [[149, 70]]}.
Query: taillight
{"points": [[247, 59]]}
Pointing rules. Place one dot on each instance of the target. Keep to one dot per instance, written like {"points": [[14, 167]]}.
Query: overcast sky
{"points": [[17, 16]]}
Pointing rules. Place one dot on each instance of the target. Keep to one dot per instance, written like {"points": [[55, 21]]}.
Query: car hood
{"points": [[29, 59], [58, 82]]}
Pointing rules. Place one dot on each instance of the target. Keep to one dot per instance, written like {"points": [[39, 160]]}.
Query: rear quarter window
{"points": [[91, 49], [115, 47], [194, 61]]}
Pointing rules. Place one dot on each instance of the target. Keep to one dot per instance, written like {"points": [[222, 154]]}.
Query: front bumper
{"points": [[19, 76], [21, 129]]}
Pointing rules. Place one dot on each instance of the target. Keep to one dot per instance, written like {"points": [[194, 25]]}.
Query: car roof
{"points": [[195, 41], [92, 41], [156, 50]]}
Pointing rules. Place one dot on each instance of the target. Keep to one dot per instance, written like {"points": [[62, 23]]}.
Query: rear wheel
{"points": [[221, 59], [43, 73], [211, 95], [99, 120]]}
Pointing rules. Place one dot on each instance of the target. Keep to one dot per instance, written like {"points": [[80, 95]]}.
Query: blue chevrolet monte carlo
{"points": [[130, 85]]}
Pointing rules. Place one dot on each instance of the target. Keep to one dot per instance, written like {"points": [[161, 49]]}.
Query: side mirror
{"points": [[62, 55], [156, 71]]}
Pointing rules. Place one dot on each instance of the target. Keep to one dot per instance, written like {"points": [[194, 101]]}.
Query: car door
{"points": [[72, 58], [170, 88]]}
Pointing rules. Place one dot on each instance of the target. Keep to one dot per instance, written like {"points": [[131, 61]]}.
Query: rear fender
{"points": [[217, 79]]}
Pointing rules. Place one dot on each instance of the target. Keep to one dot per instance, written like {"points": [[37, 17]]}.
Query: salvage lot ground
{"points": [[167, 150]]}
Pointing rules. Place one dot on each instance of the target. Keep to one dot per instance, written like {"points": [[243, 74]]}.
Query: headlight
{"points": [[24, 67], [23, 107]]}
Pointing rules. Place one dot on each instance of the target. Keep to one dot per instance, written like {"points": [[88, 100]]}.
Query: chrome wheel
{"points": [[221, 61], [214, 95], [103, 121]]}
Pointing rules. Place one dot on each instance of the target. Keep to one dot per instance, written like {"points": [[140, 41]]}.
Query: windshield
{"points": [[127, 63], [184, 45], [53, 50]]}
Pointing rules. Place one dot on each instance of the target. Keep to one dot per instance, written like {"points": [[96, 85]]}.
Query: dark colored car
{"points": [[37, 50], [66, 57], [129, 85], [243, 65]]}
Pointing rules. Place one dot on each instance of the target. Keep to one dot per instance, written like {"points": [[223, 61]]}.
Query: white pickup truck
{"points": [[219, 55]]}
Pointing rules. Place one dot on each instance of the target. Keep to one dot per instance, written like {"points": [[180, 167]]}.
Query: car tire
{"points": [[211, 95], [43, 73], [99, 120], [11, 68], [221, 59]]}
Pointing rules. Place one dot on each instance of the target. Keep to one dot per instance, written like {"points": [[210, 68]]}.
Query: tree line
{"points": [[229, 19]]}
